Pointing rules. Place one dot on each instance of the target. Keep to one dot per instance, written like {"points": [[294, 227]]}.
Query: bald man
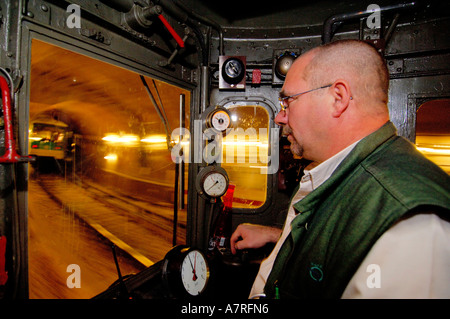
{"points": [[370, 218]]}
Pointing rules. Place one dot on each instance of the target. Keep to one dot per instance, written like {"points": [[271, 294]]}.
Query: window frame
{"points": [[236, 101], [133, 63]]}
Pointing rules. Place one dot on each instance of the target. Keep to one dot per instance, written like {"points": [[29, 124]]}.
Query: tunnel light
{"points": [[111, 157], [111, 138], [154, 139], [435, 151], [245, 143], [124, 139], [35, 138]]}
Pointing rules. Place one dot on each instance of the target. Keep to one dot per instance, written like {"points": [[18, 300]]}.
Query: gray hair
{"points": [[355, 61]]}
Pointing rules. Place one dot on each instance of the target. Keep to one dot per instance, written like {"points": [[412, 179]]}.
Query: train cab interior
{"points": [[133, 131]]}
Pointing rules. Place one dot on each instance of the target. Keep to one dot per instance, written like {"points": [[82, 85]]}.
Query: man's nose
{"points": [[281, 118]]}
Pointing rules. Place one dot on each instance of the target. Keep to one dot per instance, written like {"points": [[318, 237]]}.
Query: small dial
{"points": [[220, 120], [194, 272]]}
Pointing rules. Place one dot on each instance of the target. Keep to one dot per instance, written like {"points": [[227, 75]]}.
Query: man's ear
{"points": [[342, 97]]}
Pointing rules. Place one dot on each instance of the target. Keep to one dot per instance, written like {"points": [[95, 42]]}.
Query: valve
{"points": [[139, 18]]}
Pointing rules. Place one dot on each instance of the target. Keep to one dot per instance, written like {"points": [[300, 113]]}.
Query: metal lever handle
{"points": [[172, 31], [10, 155]]}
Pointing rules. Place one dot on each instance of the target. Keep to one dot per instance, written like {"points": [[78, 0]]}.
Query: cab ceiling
{"points": [[273, 14]]}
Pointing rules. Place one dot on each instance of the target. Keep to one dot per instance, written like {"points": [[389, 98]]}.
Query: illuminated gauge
{"points": [[185, 272], [218, 119], [212, 182]]}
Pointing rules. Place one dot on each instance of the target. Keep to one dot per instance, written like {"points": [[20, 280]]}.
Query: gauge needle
{"points": [[194, 278], [234, 67], [195, 262], [213, 185]]}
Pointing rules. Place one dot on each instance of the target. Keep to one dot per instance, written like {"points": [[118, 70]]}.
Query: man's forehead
{"points": [[295, 75]]}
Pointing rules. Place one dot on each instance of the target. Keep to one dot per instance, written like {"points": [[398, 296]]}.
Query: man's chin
{"points": [[296, 150]]}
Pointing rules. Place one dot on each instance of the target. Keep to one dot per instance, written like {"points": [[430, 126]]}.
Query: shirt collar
{"points": [[323, 171]]}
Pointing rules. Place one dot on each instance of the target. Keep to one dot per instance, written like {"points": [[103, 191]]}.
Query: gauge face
{"points": [[194, 272], [220, 120], [215, 184], [212, 182]]}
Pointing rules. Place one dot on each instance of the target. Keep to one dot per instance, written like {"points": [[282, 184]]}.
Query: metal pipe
{"points": [[328, 24], [181, 162], [120, 5], [391, 28], [178, 192], [206, 21], [204, 93], [175, 205], [163, 119]]}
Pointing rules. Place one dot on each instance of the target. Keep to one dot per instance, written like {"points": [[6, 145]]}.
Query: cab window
{"points": [[433, 132], [103, 181]]}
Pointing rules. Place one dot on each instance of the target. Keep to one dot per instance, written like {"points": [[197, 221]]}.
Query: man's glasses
{"points": [[284, 100]]}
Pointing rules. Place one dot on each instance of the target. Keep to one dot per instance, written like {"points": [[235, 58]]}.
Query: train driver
{"points": [[370, 218]]}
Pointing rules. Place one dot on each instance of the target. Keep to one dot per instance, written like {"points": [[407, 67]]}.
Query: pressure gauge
{"points": [[215, 184], [212, 182], [218, 119], [194, 272], [185, 272]]}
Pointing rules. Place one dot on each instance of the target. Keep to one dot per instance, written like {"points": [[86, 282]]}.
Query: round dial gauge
{"points": [[212, 182], [194, 272], [215, 184], [220, 120], [185, 272]]}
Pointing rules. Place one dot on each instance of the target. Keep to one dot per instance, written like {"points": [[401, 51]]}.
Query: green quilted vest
{"points": [[382, 179]]}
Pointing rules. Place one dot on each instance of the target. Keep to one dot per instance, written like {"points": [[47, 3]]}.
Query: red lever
{"points": [[172, 31], [3, 273], [10, 155]]}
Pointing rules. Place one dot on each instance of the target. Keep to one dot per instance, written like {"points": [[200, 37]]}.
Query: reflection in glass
{"points": [[245, 154], [433, 132], [113, 182]]}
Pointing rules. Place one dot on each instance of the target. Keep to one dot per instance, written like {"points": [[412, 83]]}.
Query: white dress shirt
{"points": [[410, 260]]}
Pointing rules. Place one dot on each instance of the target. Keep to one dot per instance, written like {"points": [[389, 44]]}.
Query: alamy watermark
{"points": [[374, 279], [374, 20], [233, 145], [74, 279], [237, 146], [74, 18]]}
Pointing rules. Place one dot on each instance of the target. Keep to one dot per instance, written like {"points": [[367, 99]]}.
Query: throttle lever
{"points": [[172, 31]]}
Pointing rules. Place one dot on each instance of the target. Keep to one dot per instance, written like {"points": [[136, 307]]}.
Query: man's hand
{"points": [[253, 236]]}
